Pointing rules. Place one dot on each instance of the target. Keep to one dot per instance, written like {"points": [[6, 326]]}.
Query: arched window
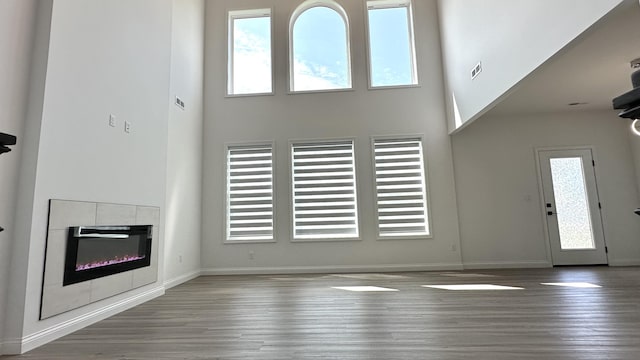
{"points": [[319, 56]]}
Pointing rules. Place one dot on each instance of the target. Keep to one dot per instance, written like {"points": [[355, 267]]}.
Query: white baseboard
{"points": [[624, 262], [30, 342], [181, 279], [507, 265], [330, 269]]}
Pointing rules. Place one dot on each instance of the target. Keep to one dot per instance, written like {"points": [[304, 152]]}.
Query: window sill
{"points": [[233, 96], [292, 92], [248, 241], [391, 87]]}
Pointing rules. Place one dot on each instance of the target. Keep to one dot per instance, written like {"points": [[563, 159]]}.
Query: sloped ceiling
{"points": [[593, 69]]}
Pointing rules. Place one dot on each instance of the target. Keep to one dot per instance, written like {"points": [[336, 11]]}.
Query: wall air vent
{"points": [[476, 70]]}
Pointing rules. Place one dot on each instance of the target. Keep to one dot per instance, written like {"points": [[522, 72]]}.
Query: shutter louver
{"points": [[324, 190], [250, 192], [400, 187]]}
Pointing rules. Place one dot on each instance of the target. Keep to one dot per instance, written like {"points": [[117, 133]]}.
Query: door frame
{"points": [[543, 209]]}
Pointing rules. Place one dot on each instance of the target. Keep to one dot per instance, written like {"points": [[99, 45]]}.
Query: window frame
{"points": [[247, 13], [389, 4], [306, 5], [225, 176], [292, 219], [426, 192]]}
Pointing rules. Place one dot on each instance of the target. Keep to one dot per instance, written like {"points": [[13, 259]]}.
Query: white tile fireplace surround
{"points": [[63, 214]]}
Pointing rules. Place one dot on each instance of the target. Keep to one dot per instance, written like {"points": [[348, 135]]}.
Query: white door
{"points": [[572, 207]]}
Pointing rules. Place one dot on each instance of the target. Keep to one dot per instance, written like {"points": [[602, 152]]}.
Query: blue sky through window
{"points": [[251, 55], [390, 47], [320, 53]]}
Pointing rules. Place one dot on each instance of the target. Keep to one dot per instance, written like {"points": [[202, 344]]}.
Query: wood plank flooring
{"points": [[302, 317]]}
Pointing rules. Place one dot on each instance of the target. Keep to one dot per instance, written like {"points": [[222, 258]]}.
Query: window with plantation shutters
{"points": [[249, 193], [400, 187], [324, 190]]}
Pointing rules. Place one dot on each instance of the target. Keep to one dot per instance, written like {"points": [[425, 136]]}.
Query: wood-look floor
{"points": [[303, 317]]}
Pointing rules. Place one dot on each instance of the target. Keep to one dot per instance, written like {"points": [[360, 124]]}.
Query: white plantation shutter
{"points": [[250, 192], [400, 187], [324, 190]]}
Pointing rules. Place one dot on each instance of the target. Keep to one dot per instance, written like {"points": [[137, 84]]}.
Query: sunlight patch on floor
{"points": [[573, 284], [467, 287]]}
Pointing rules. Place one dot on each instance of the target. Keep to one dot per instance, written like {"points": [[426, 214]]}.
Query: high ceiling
{"points": [[593, 69]]}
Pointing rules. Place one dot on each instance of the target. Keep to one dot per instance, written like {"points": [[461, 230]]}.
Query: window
{"points": [[319, 48], [400, 187], [249, 212], [324, 190], [391, 44], [249, 70]]}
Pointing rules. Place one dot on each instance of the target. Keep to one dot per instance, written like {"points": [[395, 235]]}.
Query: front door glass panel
{"points": [[572, 206]]}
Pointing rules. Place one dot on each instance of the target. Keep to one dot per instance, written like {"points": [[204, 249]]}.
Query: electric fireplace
{"points": [[97, 251]]}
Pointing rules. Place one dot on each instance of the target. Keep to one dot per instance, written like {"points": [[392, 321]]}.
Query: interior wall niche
{"points": [[98, 219]]}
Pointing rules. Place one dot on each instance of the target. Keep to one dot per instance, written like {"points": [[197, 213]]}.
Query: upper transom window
{"points": [[249, 70], [319, 47], [391, 44]]}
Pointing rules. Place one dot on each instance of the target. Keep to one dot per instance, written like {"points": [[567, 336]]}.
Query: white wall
{"points": [[184, 149], [500, 209], [511, 38], [17, 19], [360, 113], [29, 145], [103, 57]]}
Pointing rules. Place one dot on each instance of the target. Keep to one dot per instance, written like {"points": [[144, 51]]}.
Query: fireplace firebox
{"points": [[98, 251]]}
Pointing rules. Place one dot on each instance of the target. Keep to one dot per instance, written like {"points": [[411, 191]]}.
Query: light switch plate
{"points": [[112, 120], [127, 126]]}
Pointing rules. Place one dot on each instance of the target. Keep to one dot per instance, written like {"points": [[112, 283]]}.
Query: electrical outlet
{"points": [[476, 70], [251, 255], [180, 259], [127, 126], [454, 248], [112, 120]]}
